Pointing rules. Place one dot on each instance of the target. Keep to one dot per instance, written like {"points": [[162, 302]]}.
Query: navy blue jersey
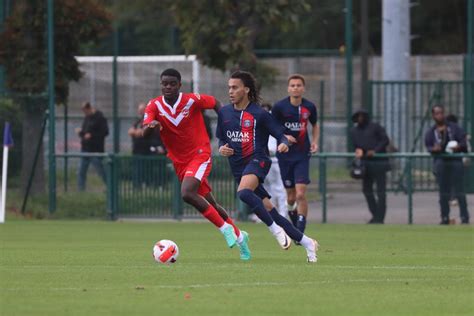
{"points": [[295, 119], [246, 132]]}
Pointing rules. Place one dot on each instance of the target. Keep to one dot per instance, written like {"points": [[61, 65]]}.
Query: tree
{"points": [[24, 55], [223, 34]]}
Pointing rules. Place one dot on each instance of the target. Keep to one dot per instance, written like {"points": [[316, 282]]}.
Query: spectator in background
{"points": [[145, 146], [452, 198], [144, 170], [273, 183], [369, 138], [441, 138], [92, 133]]}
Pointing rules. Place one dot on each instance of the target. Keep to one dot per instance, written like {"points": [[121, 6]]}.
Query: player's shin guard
{"points": [[256, 205], [290, 230], [292, 213], [301, 223], [213, 216]]}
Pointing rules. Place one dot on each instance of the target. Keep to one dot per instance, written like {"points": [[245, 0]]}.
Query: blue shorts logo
{"points": [[247, 123]]}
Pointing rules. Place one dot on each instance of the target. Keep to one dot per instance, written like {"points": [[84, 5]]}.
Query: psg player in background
{"points": [[243, 128], [296, 113], [179, 117]]}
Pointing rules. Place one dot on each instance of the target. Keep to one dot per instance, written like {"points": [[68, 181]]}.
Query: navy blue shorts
{"points": [[294, 172], [260, 168]]}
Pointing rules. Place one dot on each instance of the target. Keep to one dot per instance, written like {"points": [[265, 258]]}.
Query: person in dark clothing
{"points": [[447, 137], [93, 132], [369, 138], [145, 146], [145, 170]]}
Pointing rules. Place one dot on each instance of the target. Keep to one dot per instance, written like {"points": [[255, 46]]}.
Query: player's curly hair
{"points": [[250, 82]]}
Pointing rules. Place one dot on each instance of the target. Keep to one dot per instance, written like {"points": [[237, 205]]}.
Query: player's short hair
{"points": [[297, 76], [250, 82], [171, 72], [439, 106]]}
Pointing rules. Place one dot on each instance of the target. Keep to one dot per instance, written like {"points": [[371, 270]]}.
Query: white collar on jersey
{"points": [[175, 105]]}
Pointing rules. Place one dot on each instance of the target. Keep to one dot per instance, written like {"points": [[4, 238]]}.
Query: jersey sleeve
{"points": [[313, 117], [204, 101], [150, 113], [274, 127]]}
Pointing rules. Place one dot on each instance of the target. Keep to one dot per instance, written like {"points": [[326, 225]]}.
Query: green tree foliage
{"points": [[23, 43], [146, 27], [223, 34], [23, 53]]}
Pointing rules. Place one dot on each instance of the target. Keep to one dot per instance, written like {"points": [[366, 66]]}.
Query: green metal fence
{"points": [[404, 109], [147, 186]]}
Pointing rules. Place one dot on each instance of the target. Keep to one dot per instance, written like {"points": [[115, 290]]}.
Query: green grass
{"points": [[105, 268]]}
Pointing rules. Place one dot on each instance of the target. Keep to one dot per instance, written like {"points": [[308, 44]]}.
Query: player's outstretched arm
{"points": [[148, 128], [217, 106]]}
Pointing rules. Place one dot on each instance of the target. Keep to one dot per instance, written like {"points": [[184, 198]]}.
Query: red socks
{"points": [[231, 222], [213, 216]]}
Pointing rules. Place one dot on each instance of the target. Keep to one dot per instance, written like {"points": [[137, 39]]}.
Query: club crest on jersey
{"points": [[262, 164], [185, 112], [305, 115], [247, 123]]}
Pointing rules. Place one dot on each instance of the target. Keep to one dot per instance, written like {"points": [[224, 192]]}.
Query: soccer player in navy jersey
{"points": [[296, 113], [243, 128]]}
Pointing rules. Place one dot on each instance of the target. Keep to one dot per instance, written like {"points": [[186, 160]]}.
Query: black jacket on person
{"points": [[453, 132], [143, 145], [369, 136], [96, 125]]}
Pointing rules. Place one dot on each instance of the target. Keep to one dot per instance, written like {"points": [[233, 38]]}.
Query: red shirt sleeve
{"points": [[151, 112], [205, 101]]}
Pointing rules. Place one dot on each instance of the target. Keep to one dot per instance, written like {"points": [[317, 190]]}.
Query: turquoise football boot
{"points": [[229, 236], [244, 247]]}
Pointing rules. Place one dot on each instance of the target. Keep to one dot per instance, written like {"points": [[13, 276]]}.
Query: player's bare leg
{"points": [[291, 205], [302, 207], [242, 236], [311, 245], [189, 193], [221, 210]]}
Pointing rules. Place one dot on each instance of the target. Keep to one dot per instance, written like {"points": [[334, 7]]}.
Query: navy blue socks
{"points": [[301, 223], [289, 229], [256, 205]]}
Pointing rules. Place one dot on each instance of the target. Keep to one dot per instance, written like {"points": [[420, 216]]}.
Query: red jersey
{"points": [[184, 132]]}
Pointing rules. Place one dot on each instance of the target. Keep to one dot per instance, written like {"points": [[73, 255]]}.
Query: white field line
{"points": [[243, 284], [225, 266]]}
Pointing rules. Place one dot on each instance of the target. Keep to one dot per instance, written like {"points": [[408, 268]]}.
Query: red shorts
{"points": [[200, 168]]}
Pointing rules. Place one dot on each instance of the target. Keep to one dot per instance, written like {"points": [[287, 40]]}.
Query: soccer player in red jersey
{"points": [[179, 117]]}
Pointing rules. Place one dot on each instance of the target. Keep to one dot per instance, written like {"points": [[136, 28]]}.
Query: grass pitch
{"points": [[105, 268]]}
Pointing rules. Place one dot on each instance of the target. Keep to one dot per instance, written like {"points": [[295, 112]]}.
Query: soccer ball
{"points": [[165, 251]]}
